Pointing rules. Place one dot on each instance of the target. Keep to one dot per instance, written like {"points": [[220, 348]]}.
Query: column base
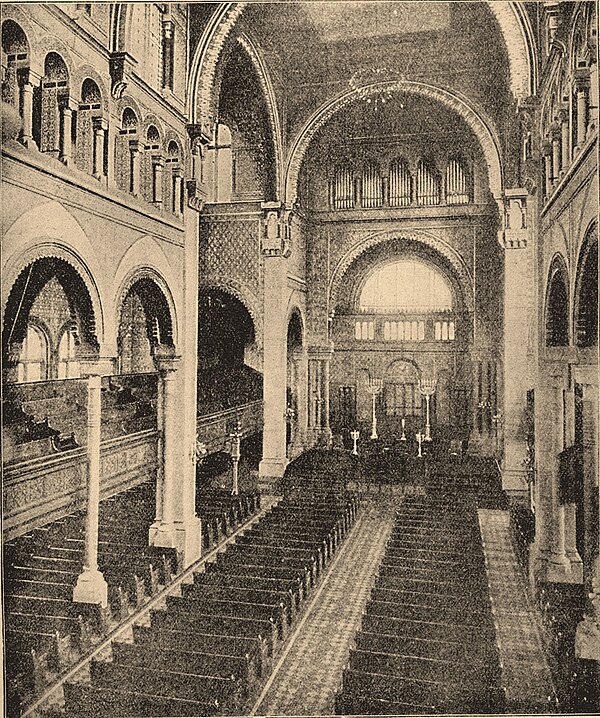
{"points": [[269, 472], [91, 588], [184, 536], [587, 639], [515, 480], [552, 568]]}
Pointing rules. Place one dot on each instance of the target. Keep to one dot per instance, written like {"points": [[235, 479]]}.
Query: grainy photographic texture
{"points": [[300, 358]]}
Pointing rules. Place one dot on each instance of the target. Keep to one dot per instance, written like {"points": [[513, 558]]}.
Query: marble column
{"points": [[301, 361], [134, 149], [91, 586], [158, 166], [587, 639], [565, 141], [27, 105], [582, 89], [547, 154], [100, 128], [556, 155], [551, 562], [274, 458], [162, 532], [177, 190], [66, 144]]}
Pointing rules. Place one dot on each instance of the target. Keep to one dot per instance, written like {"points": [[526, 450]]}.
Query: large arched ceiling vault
{"points": [[306, 53]]}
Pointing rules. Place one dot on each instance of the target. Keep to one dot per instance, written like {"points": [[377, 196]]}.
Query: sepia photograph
{"points": [[300, 389]]}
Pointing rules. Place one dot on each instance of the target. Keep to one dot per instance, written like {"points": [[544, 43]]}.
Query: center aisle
{"points": [[309, 673]]}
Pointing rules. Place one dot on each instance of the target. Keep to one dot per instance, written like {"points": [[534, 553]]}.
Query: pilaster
{"points": [[275, 248], [518, 312]]}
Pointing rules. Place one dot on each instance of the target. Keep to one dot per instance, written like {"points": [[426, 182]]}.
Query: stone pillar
{"points": [[134, 149], [551, 562], [158, 166], [177, 190], [301, 361], [587, 639], [27, 105], [112, 135], [66, 145], [582, 83], [325, 391], [91, 586], [100, 128], [318, 379], [565, 140], [556, 154], [518, 313], [547, 153], [274, 458], [162, 532]]}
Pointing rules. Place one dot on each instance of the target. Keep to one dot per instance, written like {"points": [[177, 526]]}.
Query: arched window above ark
{"points": [[342, 190], [33, 362], [15, 62], [428, 184], [586, 294], [371, 190], [458, 186], [557, 308], [407, 285], [56, 118], [400, 184]]}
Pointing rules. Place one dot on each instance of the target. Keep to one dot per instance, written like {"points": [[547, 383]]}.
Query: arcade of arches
{"points": [[333, 259]]}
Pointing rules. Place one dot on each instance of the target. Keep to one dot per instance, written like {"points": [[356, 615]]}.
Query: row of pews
{"points": [[45, 631], [427, 642], [209, 651], [42, 418]]}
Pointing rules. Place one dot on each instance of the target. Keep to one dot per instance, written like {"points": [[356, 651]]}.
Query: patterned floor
{"points": [[526, 675], [309, 671]]}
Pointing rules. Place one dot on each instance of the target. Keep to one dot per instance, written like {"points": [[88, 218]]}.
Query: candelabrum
{"points": [[403, 437], [427, 388], [374, 387], [420, 438], [236, 443], [355, 437]]}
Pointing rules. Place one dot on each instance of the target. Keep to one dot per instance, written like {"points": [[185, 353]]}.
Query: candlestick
{"points": [[403, 437], [355, 436], [419, 437], [374, 386]]}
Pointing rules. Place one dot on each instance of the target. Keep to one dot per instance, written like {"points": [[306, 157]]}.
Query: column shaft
{"points": [[27, 104], [91, 586], [65, 140], [582, 108]]}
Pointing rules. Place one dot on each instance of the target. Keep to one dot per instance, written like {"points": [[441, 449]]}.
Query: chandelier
{"points": [[374, 85]]}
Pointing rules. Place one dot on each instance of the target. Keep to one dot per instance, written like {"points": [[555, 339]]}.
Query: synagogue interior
{"points": [[300, 358]]}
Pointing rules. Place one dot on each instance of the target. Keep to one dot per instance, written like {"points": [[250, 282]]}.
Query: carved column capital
{"points": [[276, 234], [513, 207]]}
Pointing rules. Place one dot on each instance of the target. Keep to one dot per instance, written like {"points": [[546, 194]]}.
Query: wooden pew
{"points": [[84, 700], [274, 610], [253, 650], [227, 692]]}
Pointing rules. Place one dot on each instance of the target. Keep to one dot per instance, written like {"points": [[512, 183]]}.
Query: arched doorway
{"points": [[402, 399], [229, 360], [145, 325]]}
